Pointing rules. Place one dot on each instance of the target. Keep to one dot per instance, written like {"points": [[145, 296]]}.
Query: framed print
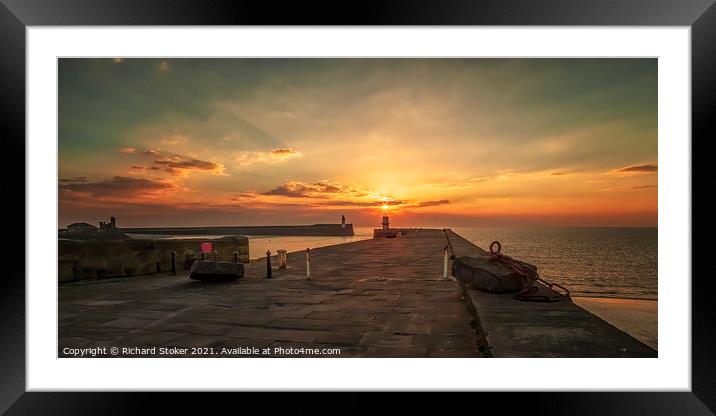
{"points": [[409, 197]]}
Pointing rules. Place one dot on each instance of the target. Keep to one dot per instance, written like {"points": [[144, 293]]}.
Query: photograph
{"points": [[492, 198], [352, 207]]}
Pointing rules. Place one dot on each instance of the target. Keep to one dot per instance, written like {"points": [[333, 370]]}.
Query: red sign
{"points": [[206, 247]]}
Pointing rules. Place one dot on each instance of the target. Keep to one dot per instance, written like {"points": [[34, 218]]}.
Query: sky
{"points": [[439, 142]]}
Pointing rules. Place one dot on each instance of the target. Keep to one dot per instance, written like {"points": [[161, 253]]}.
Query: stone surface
{"points": [[371, 298], [216, 271], [364, 298]]}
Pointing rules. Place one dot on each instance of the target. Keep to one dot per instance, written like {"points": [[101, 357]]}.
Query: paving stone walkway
{"points": [[372, 298]]}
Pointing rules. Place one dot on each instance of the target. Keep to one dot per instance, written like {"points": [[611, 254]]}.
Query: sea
{"points": [[597, 262]]}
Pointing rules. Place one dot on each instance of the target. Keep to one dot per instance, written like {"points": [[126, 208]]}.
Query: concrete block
{"points": [[216, 270]]}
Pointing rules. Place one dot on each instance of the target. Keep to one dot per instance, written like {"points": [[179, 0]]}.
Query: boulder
{"points": [[490, 276], [216, 271]]}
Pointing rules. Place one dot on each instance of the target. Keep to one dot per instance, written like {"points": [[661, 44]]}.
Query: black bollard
{"points": [[174, 262], [268, 264]]}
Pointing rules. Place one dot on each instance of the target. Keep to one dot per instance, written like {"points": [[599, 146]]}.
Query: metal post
{"points": [[308, 264], [236, 256], [268, 264], [445, 263], [282, 259], [174, 262]]}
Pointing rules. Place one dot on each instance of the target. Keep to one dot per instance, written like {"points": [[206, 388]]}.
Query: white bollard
{"points": [[308, 264], [445, 264]]}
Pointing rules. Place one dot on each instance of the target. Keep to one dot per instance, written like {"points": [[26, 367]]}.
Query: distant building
{"points": [[111, 226], [81, 227]]}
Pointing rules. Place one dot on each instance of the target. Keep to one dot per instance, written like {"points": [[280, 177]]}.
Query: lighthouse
{"points": [[385, 231], [343, 221]]}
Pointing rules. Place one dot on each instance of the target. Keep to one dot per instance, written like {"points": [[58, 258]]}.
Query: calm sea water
{"points": [[258, 245], [604, 262]]}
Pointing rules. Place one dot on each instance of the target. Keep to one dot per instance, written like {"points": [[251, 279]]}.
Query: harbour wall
{"points": [[316, 230], [82, 260]]}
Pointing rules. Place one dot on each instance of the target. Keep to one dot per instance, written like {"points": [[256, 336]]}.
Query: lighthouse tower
{"points": [[385, 231], [343, 221]]}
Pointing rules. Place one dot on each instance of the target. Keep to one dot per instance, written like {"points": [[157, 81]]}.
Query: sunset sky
{"points": [[443, 142]]}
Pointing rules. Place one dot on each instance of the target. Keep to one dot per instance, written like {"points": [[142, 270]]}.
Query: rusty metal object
{"points": [[529, 292]]}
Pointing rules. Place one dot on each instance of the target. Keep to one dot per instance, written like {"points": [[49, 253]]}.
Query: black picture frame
{"points": [[15, 15]]}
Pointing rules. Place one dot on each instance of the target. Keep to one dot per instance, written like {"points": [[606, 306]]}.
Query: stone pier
{"points": [[371, 298]]}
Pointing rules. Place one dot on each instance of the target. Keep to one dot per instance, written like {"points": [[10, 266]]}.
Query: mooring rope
{"points": [[529, 276]]}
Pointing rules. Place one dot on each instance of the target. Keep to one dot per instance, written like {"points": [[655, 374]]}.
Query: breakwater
{"points": [[371, 298], [316, 230]]}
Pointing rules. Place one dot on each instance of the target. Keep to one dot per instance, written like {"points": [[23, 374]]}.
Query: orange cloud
{"points": [[278, 155], [127, 150], [638, 169], [311, 190], [178, 164]]}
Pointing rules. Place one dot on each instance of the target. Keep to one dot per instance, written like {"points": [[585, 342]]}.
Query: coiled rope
{"points": [[528, 275]]}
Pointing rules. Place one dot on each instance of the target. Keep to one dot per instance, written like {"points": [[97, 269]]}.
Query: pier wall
{"points": [[515, 328], [81, 260], [316, 230]]}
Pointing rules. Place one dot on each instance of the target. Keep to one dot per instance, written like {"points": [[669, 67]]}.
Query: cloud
{"points": [[307, 190], [140, 167], [177, 162], [638, 169], [559, 173], [277, 155], [331, 194], [457, 184], [431, 203], [127, 150], [118, 186], [347, 203], [282, 151], [75, 179], [643, 186]]}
